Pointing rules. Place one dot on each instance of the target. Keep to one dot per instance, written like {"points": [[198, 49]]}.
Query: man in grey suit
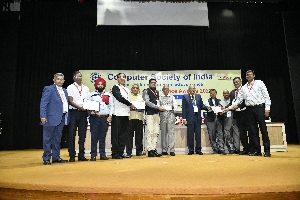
{"points": [[54, 115]]}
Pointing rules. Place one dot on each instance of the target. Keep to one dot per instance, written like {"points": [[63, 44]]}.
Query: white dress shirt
{"points": [[78, 93], [254, 93]]}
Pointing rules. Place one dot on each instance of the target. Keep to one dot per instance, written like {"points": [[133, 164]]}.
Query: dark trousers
{"points": [[77, 119], [135, 128], [194, 133], [51, 139], [242, 124], [256, 116], [119, 128], [98, 127]]}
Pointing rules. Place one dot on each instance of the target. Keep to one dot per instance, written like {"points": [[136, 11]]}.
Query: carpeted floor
{"points": [[179, 175]]}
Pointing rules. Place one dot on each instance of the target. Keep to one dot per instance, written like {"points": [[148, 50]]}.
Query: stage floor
{"points": [[182, 176]]}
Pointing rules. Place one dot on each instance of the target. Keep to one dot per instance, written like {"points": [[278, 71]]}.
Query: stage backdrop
{"points": [[178, 81]]}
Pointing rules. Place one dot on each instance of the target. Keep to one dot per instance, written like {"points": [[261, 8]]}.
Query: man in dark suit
{"points": [[54, 115], [191, 113]]}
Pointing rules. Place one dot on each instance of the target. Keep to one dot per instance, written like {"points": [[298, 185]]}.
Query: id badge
{"points": [[157, 103], [195, 109], [80, 101], [102, 105], [229, 114]]}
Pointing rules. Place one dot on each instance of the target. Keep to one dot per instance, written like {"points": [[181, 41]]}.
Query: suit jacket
{"points": [[232, 97], [51, 106], [188, 109]]}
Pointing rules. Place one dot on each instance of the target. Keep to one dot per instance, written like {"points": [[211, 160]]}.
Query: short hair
{"points": [[152, 79], [250, 71], [136, 85], [236, 78], [58, 74], [120, 74], [211, 90], [76, 72]]}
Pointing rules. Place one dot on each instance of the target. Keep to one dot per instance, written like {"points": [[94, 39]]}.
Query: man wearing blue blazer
{"points": [[54, 115], [192, 105]]}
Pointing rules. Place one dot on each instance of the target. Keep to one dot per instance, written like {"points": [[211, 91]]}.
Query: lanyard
{"points": [[123, 88], [237, 91], [155, 94], [78, 88], [251, 85]]}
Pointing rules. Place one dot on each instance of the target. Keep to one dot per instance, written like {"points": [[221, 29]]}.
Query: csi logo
{"points": [[224, 78], [94, 76]]}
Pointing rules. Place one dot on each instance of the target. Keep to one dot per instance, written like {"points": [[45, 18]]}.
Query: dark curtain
{"points": [[63, 37]]}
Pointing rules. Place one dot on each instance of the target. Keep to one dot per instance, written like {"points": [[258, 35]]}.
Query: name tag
{"points": [[80, 100], [229, 114], [195, 109]]}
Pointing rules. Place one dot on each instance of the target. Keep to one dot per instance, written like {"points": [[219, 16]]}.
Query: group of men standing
{"points": [[61, 106]]}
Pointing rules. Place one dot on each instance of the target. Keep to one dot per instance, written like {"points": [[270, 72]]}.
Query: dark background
{"points": [[46, 37]]}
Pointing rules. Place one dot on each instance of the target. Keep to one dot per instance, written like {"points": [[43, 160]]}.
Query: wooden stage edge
{"points": [[8, 194]]}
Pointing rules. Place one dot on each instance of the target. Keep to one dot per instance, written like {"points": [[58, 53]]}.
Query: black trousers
{"points": [[77, 119], [256, 116], [243, 126], [119, 129], [135, 128]]}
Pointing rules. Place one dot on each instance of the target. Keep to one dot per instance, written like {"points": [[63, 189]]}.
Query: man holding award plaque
{"points": [[136, 119], [101, 107], [167, 121]]}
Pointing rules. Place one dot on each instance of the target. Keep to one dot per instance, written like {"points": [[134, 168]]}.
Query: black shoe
{"points": [[93, 158], [72, 159], [139, 153], [244, 153], [237, 152], [59, 161], [151, 154], [172, 153], [221, 152], [255, 154], [104, 158], [267, 154], [156, 154], [200, 153], [126, 156], [117, 157], [190, 153], [231, 152], [215, 151], [165, 153], [47, 162], [83, 159]]}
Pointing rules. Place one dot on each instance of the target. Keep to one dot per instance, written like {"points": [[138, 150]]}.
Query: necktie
{"points": [[236, 92], [61, 95]]}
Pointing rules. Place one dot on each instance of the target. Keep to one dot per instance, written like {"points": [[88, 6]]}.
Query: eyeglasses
{"points": [[152, 82], [60, 79], [77, 76]]}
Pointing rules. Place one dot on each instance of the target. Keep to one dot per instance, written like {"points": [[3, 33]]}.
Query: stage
{"points": [[23, 176]]}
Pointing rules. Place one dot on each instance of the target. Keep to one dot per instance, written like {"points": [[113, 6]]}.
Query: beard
{"points": [[100, 89]]}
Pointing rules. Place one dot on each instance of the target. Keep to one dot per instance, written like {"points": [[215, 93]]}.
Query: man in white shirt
{"points": [[78, 116], [99, 119], [258, 104], [120, 118]]}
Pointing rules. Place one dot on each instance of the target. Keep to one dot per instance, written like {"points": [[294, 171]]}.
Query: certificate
{"points": [[140, 105], [91, 105], [216, 109], [167, 107]]}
